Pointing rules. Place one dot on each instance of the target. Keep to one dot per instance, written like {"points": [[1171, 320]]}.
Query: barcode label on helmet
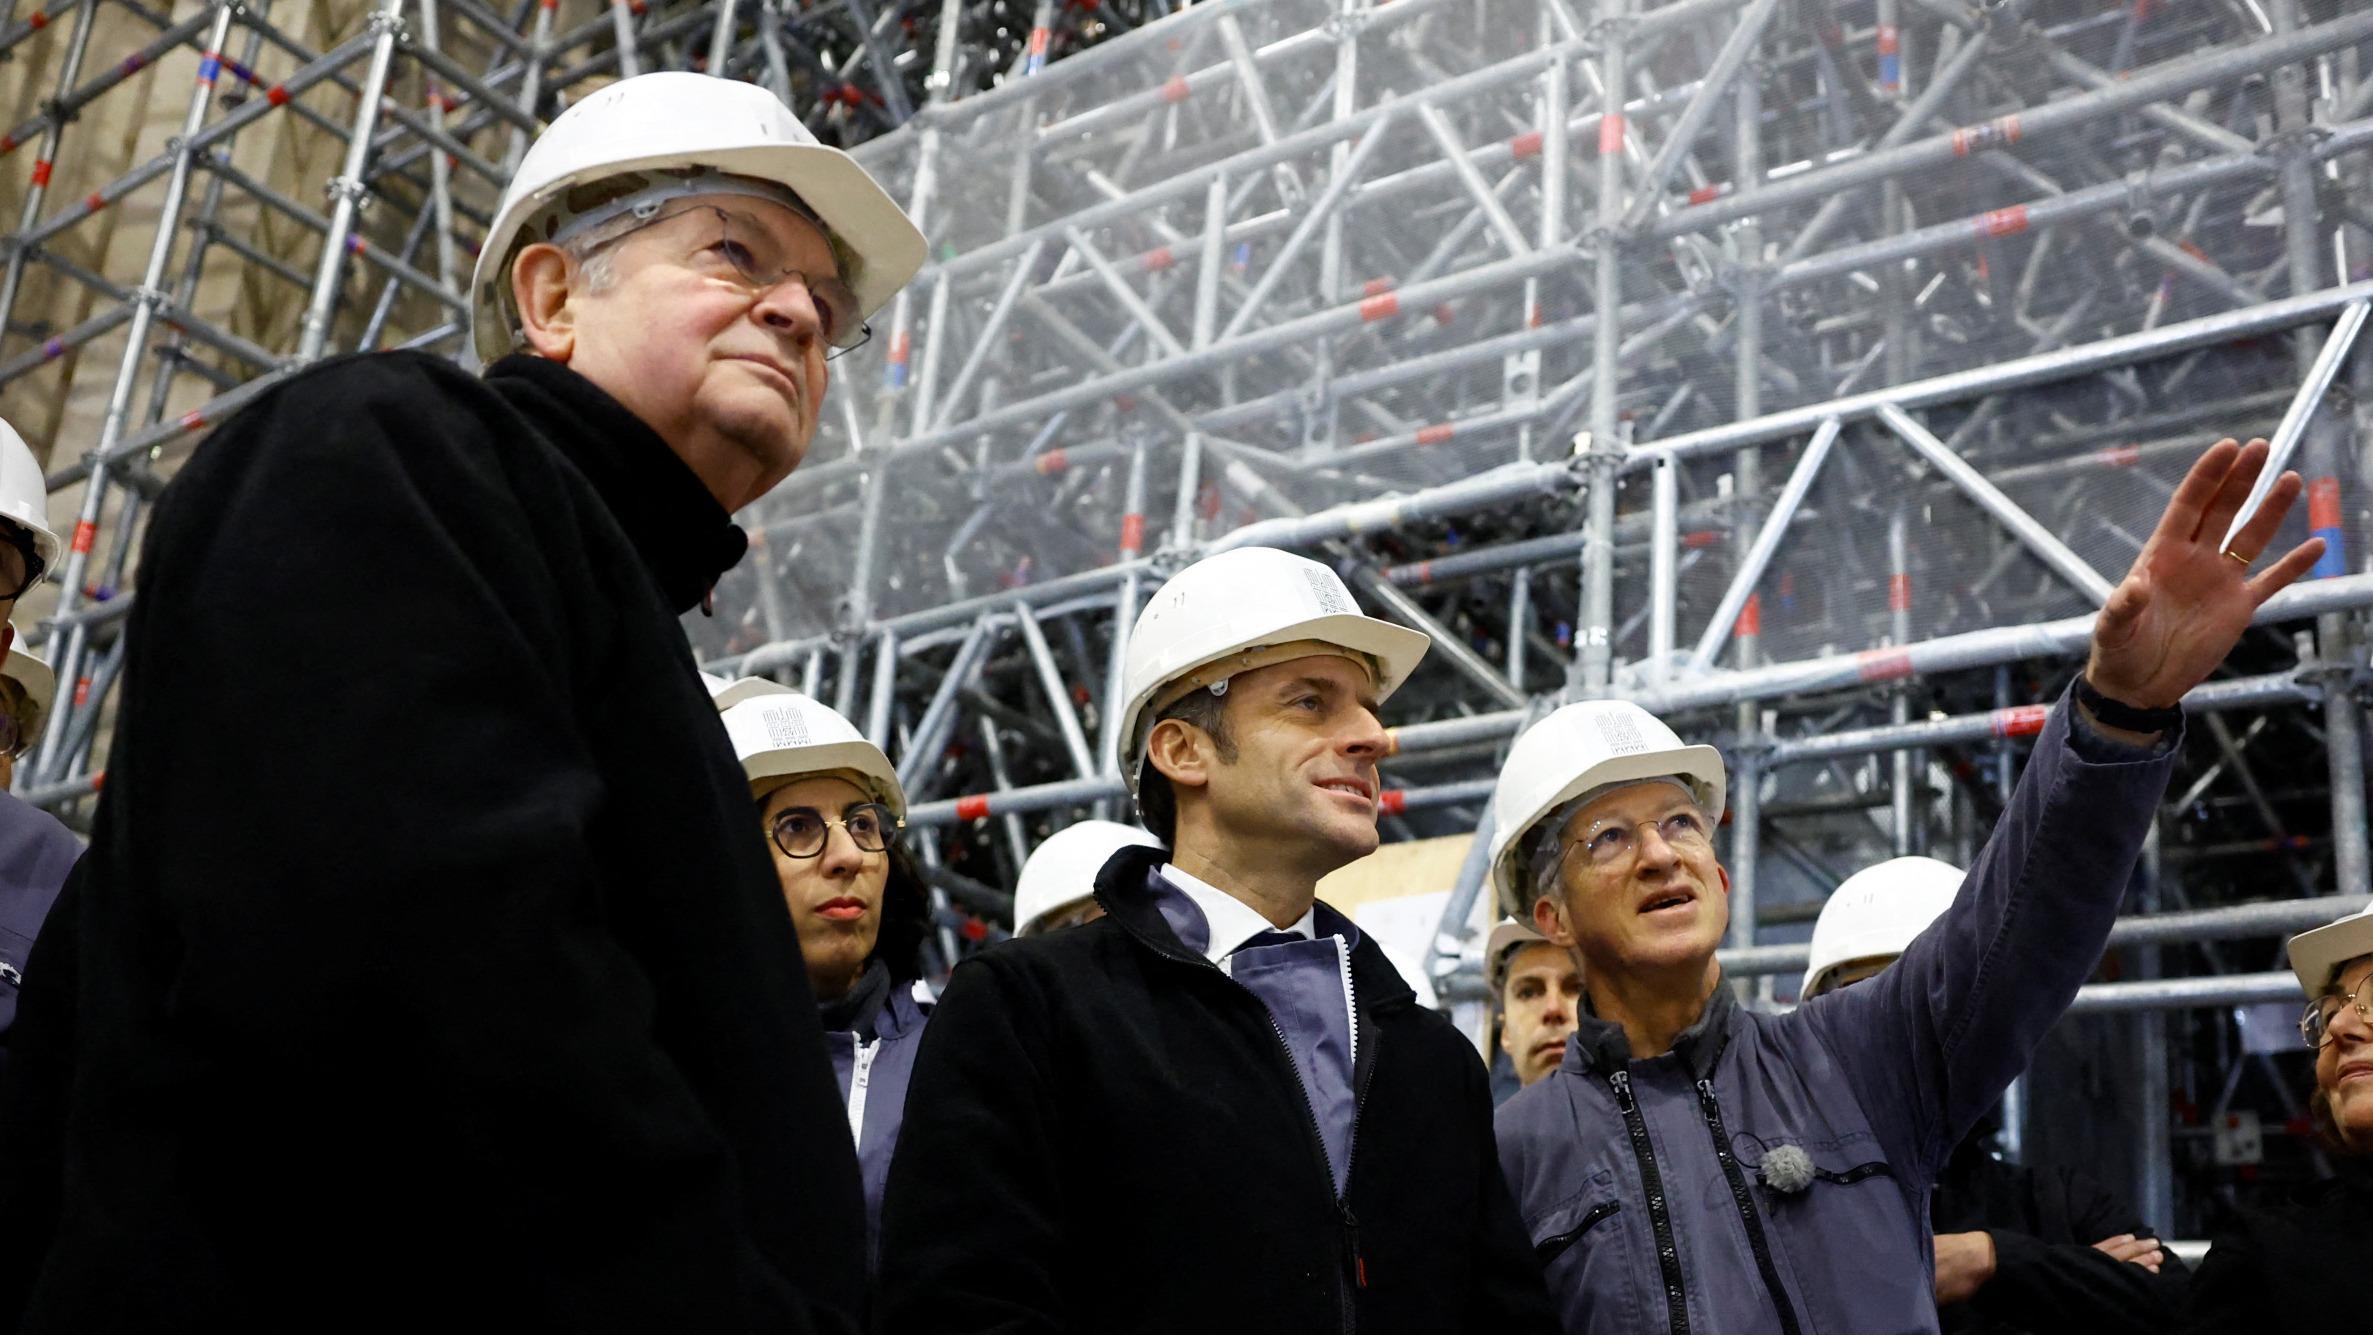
{"points": [[784, 727], [1329, 592], [1621, 734]]}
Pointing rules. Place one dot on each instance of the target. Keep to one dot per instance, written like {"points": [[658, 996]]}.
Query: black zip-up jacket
{"points": [[2291, 1269], [1105, 1135], [2049, 1279], [427, 969]]}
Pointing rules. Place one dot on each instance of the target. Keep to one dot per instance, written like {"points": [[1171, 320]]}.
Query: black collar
{"points": [[685, 538], [1124, 889], [1603, 1046]]}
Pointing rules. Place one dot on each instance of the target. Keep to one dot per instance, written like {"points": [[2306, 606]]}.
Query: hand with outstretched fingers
{"points": [[2183, 606]]}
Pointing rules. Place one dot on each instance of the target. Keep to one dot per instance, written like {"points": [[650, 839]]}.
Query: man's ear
{"points": [[8, 637], [541, 285], [1549, 919], [1180, 752]]}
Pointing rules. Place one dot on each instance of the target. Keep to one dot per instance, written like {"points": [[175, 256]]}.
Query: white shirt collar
{"points": [[1232, 921]]}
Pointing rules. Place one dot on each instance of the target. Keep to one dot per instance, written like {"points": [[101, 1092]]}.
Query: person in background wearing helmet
{"points": [[830, 808], [427, 954], [27, 687], [1693, 1166], [36, 852], [2290, 1268], [1536, 987], [1217, 1107], [1056, 888], [2019, 1251]]}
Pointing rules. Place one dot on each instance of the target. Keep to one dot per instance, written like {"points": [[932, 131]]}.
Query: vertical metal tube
{"points": [[1596, 662], [348, 186], [885, 688], [1520, 620], [531, 79], [52, 756], [630, 52], [2154, 1148], [1017, 839], [1058, 694], [1124, 612], [2344, 745], [1662, 544], [1746, 846], [1899, 707], [440, 171], [1215, 235], [78, 44], [721, 39]]}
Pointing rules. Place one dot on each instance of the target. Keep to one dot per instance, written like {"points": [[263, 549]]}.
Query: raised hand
{"points": [[2182, 607]]}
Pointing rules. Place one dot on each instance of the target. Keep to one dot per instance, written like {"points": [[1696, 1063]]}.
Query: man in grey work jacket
{"points": [[1217, 1108], [1691, 1166]]}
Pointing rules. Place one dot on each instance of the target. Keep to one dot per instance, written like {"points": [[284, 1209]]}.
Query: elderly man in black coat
{"points": [[426, 968]]}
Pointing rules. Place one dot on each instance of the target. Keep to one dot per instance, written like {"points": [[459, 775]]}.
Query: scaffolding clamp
{"points": [[349, 188]]}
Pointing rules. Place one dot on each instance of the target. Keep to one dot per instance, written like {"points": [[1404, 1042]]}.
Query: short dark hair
{"points": [[1156, 801]]}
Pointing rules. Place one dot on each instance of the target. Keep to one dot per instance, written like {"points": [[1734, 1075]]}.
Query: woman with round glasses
{"points": [[2291, 1268], [830, 807]]}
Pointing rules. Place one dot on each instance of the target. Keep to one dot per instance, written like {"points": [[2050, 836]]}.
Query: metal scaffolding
{"points": [[1805, 371]]}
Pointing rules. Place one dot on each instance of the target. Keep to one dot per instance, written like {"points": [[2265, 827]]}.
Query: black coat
{"points": [[427, 968], [2292, 1269], [1104, 1135], [2048, 1278]]}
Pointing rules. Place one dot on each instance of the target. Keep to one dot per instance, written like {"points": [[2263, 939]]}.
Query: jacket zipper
{"points": [[1668, 1252], [1746, 1202], [1358, 1264], [860, 1075], [1550, 1248]]}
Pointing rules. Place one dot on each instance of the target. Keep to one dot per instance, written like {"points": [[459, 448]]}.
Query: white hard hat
{"points": [[32, 674], [1506, 936], [1876, 913], [1217, 613], [1578, 748], [2318, 953], [780, 735], [1062, 870], [679, 121], [24, 494], [726, 692]]}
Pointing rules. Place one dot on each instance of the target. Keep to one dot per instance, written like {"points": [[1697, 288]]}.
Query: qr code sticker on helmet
{"points": [[1621, 734], [785, 727], [1329, 592]]}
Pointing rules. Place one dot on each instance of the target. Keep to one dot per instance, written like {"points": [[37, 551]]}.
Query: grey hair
{"points": [[596, 264], [1546, 859]]}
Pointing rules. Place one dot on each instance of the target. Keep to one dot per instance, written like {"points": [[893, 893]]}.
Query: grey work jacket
{"points": [[1641, 1183]]}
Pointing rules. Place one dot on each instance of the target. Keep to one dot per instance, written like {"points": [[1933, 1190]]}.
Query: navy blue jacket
{"points": [[1106, 1136], [887, 1065], [1639, 1179], [36, 853]]}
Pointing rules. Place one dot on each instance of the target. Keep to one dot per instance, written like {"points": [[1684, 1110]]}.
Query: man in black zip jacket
{"points": [[1217, 1108], [425, 969]]}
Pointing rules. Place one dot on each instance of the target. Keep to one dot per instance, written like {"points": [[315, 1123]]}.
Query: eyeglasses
{"points": [[21, 539], [1615, 842], [801, 831], [735, 249], [2315, 1023]]}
